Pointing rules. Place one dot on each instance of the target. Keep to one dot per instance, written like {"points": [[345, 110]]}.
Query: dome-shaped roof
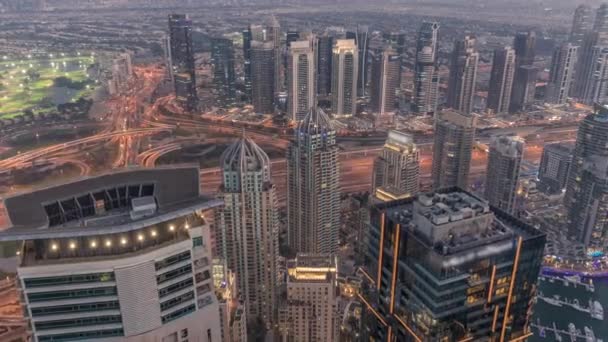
{"points": [[315, 122], [244, 155]]}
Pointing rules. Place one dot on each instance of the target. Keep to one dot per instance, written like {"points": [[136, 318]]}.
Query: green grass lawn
{"points": [[19, 91]]}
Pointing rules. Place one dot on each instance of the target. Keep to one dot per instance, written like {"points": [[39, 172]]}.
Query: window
{"points": [[176, 301], [78, 322], [69, 294], [174, 259], [197, 241], [184, 333], [176, 273], [175, 287], [69, 279], [65, 309], [81, 336], [179, 313]]}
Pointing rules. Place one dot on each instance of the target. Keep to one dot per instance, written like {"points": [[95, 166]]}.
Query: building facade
{"points": [[502, 174], [596, 88], [123, 256], [262, 76], [224, 78], [554, 167], [344, 78], [385, 78], [248, 227], [586, 198], [426, 76], [313, 186], [501, 80], [449, 267], [463, 75], [181, 61], [311, 312], [301, 78], [561, 74], [397, 168], [324, 64], [452, 149]]}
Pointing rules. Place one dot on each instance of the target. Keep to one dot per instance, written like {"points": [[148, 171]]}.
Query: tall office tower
{"points": [[233, 317], [313, 186], [181, 55], [312, 302], [248, 226], [386, 69], [586, 194], [262, 76], [581, 24], [502, 173], [324, 67], [122, 256], [597, 37], [560, 76], [273, 34], [524, 88], [524, 45], [596, 89], [452, 149], [397, 168], [396, 40], [600, 25], [426, 76], [501, 80], [448, 267], [247, 39], [361, 37], [463, 75], [554, 167], [302, 78], [222, 56], [344, 78], [291, 36]]}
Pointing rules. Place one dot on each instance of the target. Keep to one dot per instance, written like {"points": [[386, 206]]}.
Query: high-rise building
{"points": [[581, 24], [502, 175], [397, 40], [586, 191], [426, 76], [313, 186], [222, 56], [452, 149], [397, 168], [597, 37], [463, 75], [596, 89], [123, 256], [302, 78], [181, 56], [600, 25], [448, 267], [386, 69], [273, 35], [562, 71], [248, 228], [344, 78], [501, 80], [247, 39], [524, 46], [324, 68], [311, 312], [554, 167], [524, 88], [262, 76], [361, 38]]}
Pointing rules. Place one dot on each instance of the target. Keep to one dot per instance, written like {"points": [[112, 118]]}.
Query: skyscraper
{"points": [[248, 228], [273, 35], [181, 55], [463, 75], [262, 76], [397, 168], [600, 25], [554, 167], [344, 78], [448, 267], [501, 80], [581, 24], [247, 39], [222, 56], [386, 69], [452, 149], [426, 76], [324, 60], [311, 308], [560, 76], [313, 186], [361, 37], [524, 88], [586, 192], [302, 77], [596, 89], [596, 37], [502, 175], [524, 45], [120, 256]]}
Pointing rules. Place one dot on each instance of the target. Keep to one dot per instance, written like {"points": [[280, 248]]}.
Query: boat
{"points": [[597, 310]]}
